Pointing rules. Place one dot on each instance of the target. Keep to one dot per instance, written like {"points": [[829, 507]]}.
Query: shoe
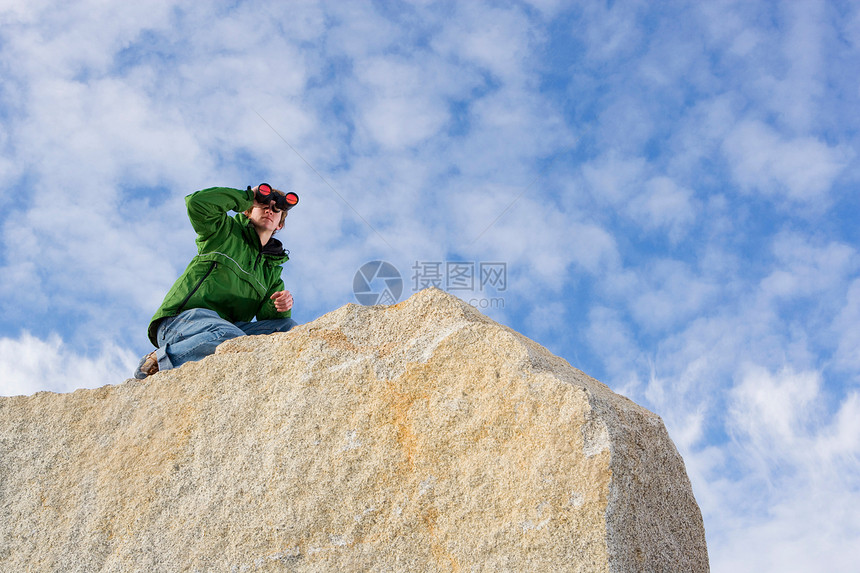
{"points": [[147, 367]]}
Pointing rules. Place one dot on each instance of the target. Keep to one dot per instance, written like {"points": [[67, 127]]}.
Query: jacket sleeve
{"points": [[267, 309], [207, 209]]}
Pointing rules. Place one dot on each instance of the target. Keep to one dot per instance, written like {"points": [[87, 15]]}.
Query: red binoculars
{"points": [[283, 201]]}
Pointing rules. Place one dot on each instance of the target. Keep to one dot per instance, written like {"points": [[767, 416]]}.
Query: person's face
{"points": [[264, 217]]}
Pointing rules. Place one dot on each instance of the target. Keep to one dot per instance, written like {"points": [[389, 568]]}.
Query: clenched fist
{"points": [[283, 300]]}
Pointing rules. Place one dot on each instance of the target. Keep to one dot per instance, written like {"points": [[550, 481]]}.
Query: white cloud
{"points": [[613, 179], [665, 204], [65, 40], [548, 319], [729, 23], [541, 243], [669, 293], [29, 364], [611, 338], [655, 203], [845, 330], [398, 108], [801, 169], [798, 459], [852, 27], [773, 412], [610, 31], [498, 40], [810, 529], [797, 97], [804, 268], [356, 31]]}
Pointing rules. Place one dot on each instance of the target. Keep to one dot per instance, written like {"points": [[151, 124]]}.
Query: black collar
{"points": [[274, 248]]}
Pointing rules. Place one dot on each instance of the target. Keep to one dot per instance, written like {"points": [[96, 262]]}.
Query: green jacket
{"points": [[231, 274]]}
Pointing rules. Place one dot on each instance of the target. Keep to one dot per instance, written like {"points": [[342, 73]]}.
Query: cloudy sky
{"points": [[663, 193]]}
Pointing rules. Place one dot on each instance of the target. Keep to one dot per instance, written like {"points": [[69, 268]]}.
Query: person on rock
{"points": [[234, 278]]}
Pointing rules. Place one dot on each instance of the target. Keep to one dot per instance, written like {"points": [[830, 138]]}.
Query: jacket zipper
{"points": [[197, 286]]}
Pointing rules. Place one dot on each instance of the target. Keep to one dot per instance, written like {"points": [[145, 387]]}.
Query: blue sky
{"points": [[672, 188]]}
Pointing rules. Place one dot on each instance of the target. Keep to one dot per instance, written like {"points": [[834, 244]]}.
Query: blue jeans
{"points": [[195, 333]]}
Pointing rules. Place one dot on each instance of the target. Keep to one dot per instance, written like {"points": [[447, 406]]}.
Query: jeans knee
{"points": [[193, 323], [200, 345]]}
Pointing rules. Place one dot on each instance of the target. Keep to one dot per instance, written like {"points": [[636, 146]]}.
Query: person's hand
{"points": [[283, 300], [264, 203]]}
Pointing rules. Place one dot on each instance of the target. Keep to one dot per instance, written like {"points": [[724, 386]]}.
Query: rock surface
{"points": [[416, 437]]}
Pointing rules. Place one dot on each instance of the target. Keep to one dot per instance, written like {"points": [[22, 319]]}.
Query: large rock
{"points": [[416, 437]]}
